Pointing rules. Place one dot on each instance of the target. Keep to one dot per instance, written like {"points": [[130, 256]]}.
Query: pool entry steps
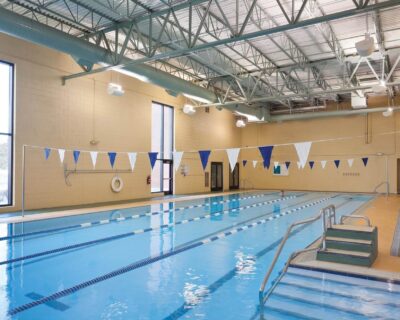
{"points": [[310, 294], [350, 244]]}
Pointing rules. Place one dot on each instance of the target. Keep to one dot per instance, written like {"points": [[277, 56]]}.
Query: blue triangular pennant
{"points": [[311, 163], [266, 153], [153, 158], [204, 155], [337, 162], [287, 164], [112, 156], [244, 163], [365, 161], [47, 153], [76, 155]]}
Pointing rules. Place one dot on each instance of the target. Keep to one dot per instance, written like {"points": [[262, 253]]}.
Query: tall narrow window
{"points": [[6, 132], [162, 141]]}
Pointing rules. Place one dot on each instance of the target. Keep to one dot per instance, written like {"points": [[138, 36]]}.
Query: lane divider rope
{"points": [[153, 259], [132, 217], [139, 231]]}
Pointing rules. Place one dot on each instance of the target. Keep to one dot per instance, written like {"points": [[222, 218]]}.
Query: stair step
{"points": [[346, 253], [349, 240], [350, 227], [382, 286], [299, 310], [344, 290], [356, 258], [352, 232], [335, 303]]}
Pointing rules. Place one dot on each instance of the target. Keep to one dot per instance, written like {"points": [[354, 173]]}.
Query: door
{"points": [[398, 176], [167, 177], [234, 178], [217, 179]]}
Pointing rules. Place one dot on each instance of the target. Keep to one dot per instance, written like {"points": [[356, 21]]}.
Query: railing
{"points": [[381, 184], [355, 217], [328, 214]]}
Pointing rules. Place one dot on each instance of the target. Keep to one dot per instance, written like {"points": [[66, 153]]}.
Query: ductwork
{"points": [[86, 53], [265, 116]]}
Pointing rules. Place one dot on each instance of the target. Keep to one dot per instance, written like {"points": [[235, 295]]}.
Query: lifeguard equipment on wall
{"points": [[117, 184]]}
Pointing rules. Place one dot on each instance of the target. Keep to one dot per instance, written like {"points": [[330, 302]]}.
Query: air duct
{"points": [[29, 30]]}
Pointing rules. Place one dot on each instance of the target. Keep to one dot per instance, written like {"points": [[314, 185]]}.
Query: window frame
{"points": [[162, 144], [11, 136]]}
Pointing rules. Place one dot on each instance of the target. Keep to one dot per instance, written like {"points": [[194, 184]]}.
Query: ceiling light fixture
{"points": [[250, 117], [365, 47]]}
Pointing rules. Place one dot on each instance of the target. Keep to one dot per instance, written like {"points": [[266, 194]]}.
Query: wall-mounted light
{"points": [[114, 89], [189, 109], [240, 123], [388, 112]]}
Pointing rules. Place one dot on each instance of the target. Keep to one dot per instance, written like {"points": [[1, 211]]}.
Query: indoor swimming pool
{"points": [[197, 259]]}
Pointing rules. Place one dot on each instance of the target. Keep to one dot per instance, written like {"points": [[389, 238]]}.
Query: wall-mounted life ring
{"points": [[117, 184]]}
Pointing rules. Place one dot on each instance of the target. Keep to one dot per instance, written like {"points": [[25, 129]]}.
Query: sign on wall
{"points": [[280, 170]]}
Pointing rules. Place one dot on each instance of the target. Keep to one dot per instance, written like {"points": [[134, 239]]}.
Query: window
{"points": [[6, 132], [162, 141]]}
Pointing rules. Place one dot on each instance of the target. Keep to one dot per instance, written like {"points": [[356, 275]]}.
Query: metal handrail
{"points": [[354, 216], [329, 210], [381, 184], [285, 268]]}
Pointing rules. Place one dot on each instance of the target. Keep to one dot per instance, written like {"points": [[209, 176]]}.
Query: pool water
{"points": [[198, 259]]}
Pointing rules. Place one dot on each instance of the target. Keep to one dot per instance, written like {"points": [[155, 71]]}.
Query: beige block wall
{"points": [[70, 116], [364, 141]]}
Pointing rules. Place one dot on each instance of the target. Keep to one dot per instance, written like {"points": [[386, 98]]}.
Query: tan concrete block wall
{"points": [[49, 114]]}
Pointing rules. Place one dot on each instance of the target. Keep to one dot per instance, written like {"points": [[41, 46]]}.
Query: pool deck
{"points": [[383, 213]]}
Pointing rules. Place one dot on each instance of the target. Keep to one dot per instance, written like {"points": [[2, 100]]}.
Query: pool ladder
{"points": [[328, 215]]}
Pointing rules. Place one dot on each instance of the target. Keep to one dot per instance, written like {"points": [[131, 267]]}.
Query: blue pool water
{"points": [[199, 259]]}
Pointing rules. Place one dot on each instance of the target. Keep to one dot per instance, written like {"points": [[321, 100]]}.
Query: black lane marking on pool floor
{"points": [[135, 216], [185, 308], [140, 231], [151, 260], [54, 304]]}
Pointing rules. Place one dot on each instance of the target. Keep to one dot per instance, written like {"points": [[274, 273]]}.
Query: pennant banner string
{"points": [[244, 148]]}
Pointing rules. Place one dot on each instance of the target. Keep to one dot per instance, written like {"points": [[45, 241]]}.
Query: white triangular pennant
{"points": [[61, 154], [233, 155], [132, 159], [276, 164], [177, 156], [303, 149], [298, 165], [93, 156], [323, 164], [254, 163], [350, 162]]}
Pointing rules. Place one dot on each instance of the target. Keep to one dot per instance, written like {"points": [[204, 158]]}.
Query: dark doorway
{"points": [[234, 178], [168, 177], [217, 178]]}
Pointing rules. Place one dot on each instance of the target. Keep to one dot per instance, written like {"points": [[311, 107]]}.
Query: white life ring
{"points": [[117, 184]]}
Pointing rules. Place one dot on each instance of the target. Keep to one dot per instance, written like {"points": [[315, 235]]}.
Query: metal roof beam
{"points": [[269, 31]]}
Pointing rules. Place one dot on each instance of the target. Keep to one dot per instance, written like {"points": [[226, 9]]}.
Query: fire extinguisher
{"points": [[148, 180]]}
